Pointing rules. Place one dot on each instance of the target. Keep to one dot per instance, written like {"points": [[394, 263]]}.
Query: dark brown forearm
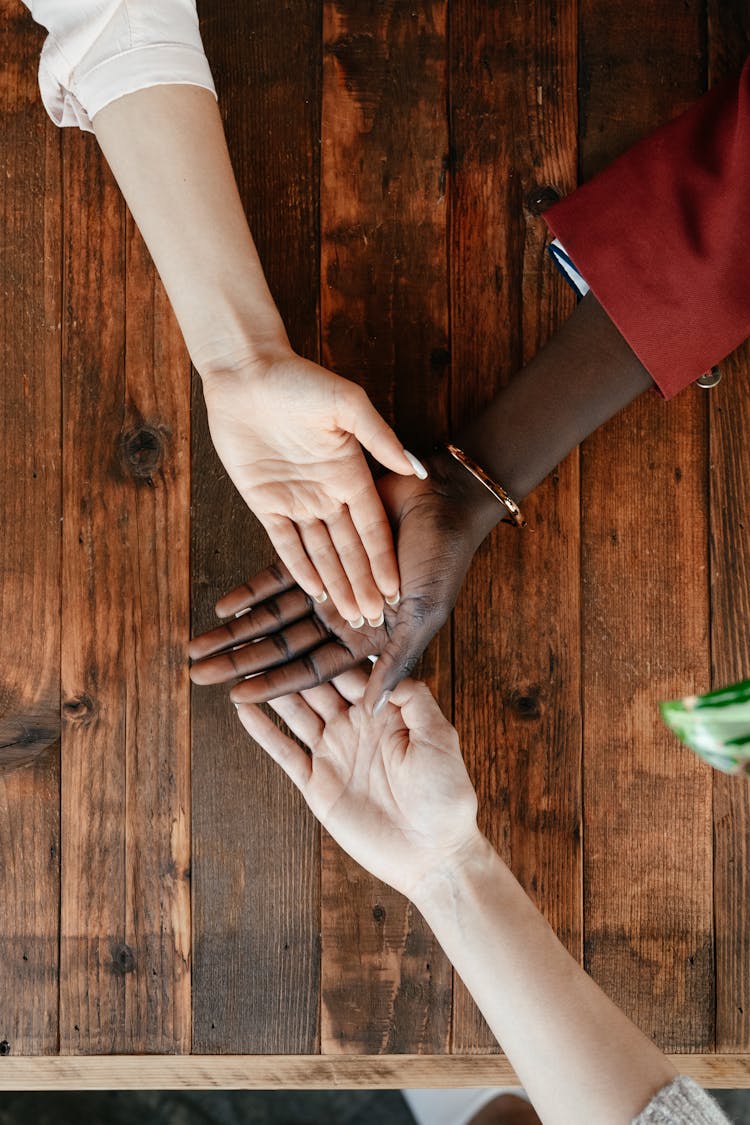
{"points": [[583, 376]]}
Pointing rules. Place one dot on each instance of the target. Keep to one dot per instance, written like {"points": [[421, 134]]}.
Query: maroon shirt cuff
{"points": [[660, 236]]}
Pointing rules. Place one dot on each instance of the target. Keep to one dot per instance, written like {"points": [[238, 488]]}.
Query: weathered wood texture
{"points": [[516, 624], [647, 803], [384, 317], [307, 1072], [729, 44], [30, 214], [125, 912], [256, 847]]}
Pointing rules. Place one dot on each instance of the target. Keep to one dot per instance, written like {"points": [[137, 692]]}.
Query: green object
{"points": [[716, 725]]}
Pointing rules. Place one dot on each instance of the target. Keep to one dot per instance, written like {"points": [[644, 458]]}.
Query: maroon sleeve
{"points": [[659, 236]]}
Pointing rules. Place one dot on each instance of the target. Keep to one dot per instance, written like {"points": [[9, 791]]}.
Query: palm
{"points": [[384, 793], [290, 434], [303, 466]]}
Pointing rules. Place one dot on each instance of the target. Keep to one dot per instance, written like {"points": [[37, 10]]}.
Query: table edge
{"points": [[311, 1072]]}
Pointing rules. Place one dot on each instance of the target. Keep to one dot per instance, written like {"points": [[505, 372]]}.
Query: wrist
{"points": [[443, 884], [483, 511], [233, 354]]}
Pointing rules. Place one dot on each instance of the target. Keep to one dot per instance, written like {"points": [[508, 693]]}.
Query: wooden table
{"points": [[163, 891]]}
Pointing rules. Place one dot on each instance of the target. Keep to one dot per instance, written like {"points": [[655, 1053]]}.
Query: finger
{"points": [[275, 579], [418, 707], [357, 415], [258, 656], [319, 547], [326, 702], [352, 684], [374, 530], [290, 549], [268, 617], [291, 757], [299, 716], [315, 667], [407, 642], [354, 560]]}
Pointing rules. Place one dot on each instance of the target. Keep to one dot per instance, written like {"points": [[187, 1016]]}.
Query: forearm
{"points": [[569, 1044], [583, 376], [166, 148]]}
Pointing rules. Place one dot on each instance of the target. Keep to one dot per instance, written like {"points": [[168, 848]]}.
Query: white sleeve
{"points": [[99, 50]]}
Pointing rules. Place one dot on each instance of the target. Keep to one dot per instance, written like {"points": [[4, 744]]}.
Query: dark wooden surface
{"points": [[161, 880]]}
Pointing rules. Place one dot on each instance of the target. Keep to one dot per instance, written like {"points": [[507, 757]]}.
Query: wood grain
{"points": [[29, 405], [647, 803], [516, 623], [729, 418], [125, 913], [256, 864], [386, 985], [30, 510], [308, 1072]]}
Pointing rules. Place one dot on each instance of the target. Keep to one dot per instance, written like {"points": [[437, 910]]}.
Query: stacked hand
{"points": [[289, 434], [439, 522], [392, 790]]}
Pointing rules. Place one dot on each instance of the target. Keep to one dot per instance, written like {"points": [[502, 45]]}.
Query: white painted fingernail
{"points": [[395, 599], [357, 623], [320, 598], [377, 621], [381, 702], [242, 612], [416, 465]]}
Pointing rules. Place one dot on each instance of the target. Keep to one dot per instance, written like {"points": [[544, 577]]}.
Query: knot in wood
{"points": [[378, 914], [526, 705], [123, 959], [4, 1047], [142, 450], [540, 198], [80, 709]]}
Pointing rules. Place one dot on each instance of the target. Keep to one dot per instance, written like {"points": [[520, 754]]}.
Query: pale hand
{"points": [[289, 433], [391, 789]]}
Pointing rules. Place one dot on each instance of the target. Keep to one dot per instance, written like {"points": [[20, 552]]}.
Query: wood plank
{"points": [[30, 511], [307, 1072], [386, 985], [256, 865], [647, 822], [729, 419], [516, 623], [125, 915]]}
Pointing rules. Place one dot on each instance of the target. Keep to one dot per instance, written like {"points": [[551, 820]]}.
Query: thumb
{"points": [[357, 415], [396, 661]]}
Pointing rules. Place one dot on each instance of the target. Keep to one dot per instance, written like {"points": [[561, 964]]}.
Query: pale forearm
{"points": [[166, 148], [569, 1044]]}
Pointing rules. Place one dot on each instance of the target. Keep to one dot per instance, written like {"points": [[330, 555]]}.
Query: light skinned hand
{"points": [[392, 790], [290, 435], [438, 528]]}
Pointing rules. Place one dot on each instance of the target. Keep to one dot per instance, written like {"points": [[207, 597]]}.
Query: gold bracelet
{"points": [[514, 512]]}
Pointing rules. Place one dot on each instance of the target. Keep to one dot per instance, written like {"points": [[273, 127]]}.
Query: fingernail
{"points": [[381, 702], [320, 598], [416, 465], [357, 623], [378, 621], [395, 599], [242, 612], [372, 657]]}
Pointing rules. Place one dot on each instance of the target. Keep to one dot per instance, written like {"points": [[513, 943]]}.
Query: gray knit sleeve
{"points": [[682, 1102]]}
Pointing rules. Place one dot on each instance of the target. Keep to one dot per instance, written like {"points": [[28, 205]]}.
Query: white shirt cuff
{"points": [[567, 268], [101, 50]]}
